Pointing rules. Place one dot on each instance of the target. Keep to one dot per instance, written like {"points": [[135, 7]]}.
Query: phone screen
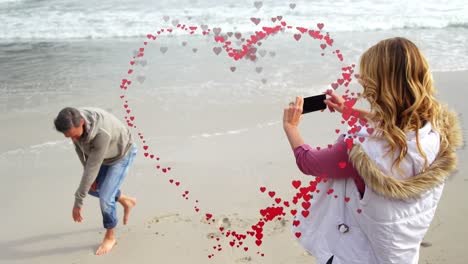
{"points": [[314, 103]]}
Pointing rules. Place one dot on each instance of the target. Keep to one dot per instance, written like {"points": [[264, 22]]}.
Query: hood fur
{"points": [[413, 187]]}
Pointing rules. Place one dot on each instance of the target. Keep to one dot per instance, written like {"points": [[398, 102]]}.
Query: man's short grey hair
{"points": [[67, 118]]}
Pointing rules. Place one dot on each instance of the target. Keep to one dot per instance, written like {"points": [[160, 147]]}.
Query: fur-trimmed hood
{"points": [[412, 187]]}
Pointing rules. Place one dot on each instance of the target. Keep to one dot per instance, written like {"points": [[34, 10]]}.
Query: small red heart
{"points": [[258, 242], [298, 234], [262, 189], [305, 213], [296, 222], [306, 205], [246, 248], [370, 131], [278, 200], [286, 203], [337, 131], [177, 183], [346, 199], [359, 211], [296, 184], [297, 37], [320, 26], [293, 212], [342, 164], [271, 194], [171, 180]]}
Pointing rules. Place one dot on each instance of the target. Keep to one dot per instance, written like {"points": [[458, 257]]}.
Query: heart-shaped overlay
{"points": [[248, 51]]}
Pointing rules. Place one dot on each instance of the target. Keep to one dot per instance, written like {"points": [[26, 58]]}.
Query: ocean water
{"points": [[59, 52]]}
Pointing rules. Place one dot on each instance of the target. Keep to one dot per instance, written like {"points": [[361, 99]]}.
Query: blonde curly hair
{"points": [[399, 87]]}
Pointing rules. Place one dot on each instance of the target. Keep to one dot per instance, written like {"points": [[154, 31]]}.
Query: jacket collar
{"points": [[413, 187]]}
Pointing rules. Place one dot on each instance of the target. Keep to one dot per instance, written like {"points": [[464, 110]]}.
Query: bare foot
{"points": [[128, 203], [106, 246]]}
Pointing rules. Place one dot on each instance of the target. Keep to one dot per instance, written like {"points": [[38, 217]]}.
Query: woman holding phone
{"points": [[390, 183]]}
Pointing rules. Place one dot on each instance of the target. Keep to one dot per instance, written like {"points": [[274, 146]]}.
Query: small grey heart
{"points": [[229, 34], [175, 22], [262, 53], [233, 69], [252, 51], [143, 63], [272, 53], [204, 27], [217, 30], [255, 20], [238, 35], [258, 4], [259, 69], [292, 6], [217, 50], [264, 81], [194, 50], [166, 18], [163, 50], [184, 43]]}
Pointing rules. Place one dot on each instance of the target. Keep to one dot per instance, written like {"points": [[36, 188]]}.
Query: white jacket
{"points": [[388, 224]]}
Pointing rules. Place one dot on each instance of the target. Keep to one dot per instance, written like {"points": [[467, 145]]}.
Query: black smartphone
{"points": [[314, 103]]}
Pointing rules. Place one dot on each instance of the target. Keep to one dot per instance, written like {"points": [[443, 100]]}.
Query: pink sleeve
{"points": [[332, 162]]}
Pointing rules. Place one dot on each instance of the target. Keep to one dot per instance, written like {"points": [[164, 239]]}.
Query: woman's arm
{"points": [[332, 162]]}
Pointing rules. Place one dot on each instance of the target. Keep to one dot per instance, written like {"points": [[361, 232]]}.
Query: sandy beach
{"points": [[215, 123], [222, 170]]}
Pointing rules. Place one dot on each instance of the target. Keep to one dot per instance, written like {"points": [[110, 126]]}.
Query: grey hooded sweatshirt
{"points": [[105, 141]]}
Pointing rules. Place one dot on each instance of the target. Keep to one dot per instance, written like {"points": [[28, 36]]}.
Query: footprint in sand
{"points": [[244, 260]]}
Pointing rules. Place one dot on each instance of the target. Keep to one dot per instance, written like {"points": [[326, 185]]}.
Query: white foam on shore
{"points": [[90, 19], [236, 131], [36, 148]]}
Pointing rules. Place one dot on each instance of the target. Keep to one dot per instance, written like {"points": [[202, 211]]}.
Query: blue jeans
{"points": [[107, 184]]}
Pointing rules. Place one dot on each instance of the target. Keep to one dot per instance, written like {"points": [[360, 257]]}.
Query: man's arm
{"points": [[80, 154], [93, 164]]}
